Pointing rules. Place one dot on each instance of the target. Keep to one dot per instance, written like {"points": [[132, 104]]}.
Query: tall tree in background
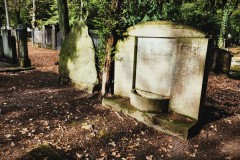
{"points": [[1, 12], [6, 10], [229, 7], [34, 14], [63, 17]]}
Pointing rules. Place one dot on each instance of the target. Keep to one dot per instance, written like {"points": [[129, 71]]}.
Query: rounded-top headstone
{"points": [[164, 29]]}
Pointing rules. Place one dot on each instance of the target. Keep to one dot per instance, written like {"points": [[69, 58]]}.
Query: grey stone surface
{"points": [[123, 77], [155, 64], [9, 45], [188, 76], [59, 40], [37, 36], [23, 59], [171, 123], [1, 47], [220, 61], [235, 67], [77, 59], [54, 37], [148, 102], [165, 59], [163, 29]]}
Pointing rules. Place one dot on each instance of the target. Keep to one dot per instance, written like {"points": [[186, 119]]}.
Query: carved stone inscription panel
{"points": [[155, 58], [188, 76]]}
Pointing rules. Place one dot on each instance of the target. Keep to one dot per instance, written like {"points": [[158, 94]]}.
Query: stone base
{"points": [[24, 62], [170, 123], [234, 74], [235, 68], [148, 102]]}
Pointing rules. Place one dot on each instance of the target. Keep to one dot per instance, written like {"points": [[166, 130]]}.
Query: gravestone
{"points": [[235, 67], [23, 59], [47, 36], [37, 36], [160, 76], [1, 47], [55, 28], [59, 40], [9, 45], [44, 34], [220, 61], [77, 59]]}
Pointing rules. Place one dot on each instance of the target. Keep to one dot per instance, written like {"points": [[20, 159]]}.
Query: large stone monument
{"points": [[23, 59], [77, 59], [161, 76]]}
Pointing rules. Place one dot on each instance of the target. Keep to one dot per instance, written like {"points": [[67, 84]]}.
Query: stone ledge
{"points": [[169, 123], [15, 69]]}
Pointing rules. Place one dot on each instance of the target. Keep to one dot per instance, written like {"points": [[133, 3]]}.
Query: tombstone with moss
{"points": [[77, 59], [161, 76]]}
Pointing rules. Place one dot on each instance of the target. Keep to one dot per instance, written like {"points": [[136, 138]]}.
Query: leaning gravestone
{"points": [[77, 59], [161, 72]]}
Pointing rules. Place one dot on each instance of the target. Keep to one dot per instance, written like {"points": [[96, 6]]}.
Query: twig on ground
{"points": [[120, 117]]}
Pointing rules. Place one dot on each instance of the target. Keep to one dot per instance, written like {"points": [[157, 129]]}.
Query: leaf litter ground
{"points": [[36, 111]]}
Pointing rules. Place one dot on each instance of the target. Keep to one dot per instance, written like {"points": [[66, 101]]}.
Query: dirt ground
{"points": [[35, 110]]}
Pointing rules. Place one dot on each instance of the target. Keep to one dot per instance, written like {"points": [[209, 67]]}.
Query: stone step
{"points": [[170, 123]]}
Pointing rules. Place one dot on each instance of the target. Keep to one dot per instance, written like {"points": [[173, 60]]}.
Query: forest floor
{"points": [[37, 112]]}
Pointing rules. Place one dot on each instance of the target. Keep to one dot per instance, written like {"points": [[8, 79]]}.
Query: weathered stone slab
{"points": [[154, 64], [1, 47], [54, 36], [59, 40], [161, 67], [235, 68], [165, 59], [23, 59], [124, 67], [37, 36], [9, 45], [163, 29], [77, 59], [188, 76], [220, 61]]}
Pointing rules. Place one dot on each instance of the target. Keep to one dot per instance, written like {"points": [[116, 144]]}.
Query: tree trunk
{"points": [[18, 11], [34, 24], [63, 17], [227, 11], [107, 77], [7, 17]]}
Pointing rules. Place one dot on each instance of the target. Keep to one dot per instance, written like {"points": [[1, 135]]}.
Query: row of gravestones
{"points": [[47, 37], [8, 50]]}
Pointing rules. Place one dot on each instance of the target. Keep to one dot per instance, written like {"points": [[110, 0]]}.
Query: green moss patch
{"points": [[43, 152], [69, 49]]}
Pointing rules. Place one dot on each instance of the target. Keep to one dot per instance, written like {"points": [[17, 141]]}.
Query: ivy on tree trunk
{"points": [[107, 77]]}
